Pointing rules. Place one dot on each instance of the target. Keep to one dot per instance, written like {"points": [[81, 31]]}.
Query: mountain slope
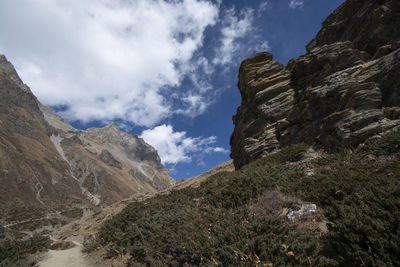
{"points": [[197, 180], [89, 226], [35, 179], [241, 218], [110, 165], [52, 173]]}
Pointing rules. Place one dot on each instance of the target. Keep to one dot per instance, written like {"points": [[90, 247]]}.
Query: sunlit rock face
{"points": [[108, 164], [52, 173], [344, 90]]}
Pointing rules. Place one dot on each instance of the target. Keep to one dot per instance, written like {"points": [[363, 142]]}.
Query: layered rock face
{"points": [[52, 173], [344, 90]]}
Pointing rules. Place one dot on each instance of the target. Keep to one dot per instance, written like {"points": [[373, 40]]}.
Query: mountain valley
{"points": [[314, 178]]}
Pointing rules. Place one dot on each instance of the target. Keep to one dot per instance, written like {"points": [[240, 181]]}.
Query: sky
{"points": [[164, 70]]}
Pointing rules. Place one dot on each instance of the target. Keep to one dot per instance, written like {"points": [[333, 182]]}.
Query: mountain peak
{"points": [[113, 126]]}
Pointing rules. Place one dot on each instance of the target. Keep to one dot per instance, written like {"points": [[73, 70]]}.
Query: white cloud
{"points": [[216, 150], [233, 29], [264, 6], [263, 46], [174, 147], [123, 60], [105, 59], [296, 4], [195, 105]]}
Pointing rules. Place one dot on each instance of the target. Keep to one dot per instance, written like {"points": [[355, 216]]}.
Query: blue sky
{"points": [[163, 70]]}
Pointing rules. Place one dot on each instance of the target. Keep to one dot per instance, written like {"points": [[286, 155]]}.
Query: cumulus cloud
{"points": [[105, 59], [174, 147], [294, 4], [121, 59]]}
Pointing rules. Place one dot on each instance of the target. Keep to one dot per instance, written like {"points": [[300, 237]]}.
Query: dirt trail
{"points": [[73, 257]]}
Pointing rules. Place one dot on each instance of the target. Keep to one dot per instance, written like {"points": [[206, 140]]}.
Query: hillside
{"points": [[242, 218], [197, 180], [89, 226], [36, 184], [52, 173]]}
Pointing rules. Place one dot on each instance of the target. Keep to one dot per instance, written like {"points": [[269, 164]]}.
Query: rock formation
{"points": [[344, 90], [51, 172]]}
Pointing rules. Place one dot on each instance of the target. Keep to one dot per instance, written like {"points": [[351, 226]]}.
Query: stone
{"points": [[303, 209]]}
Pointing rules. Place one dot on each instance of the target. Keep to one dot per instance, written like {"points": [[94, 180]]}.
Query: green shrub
{"points": [[385, 145], [14, 252], [291, 153], [215, 224]]}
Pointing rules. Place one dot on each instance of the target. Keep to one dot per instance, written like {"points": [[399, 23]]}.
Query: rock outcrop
{"points": [[344, 90], [52, 173]]}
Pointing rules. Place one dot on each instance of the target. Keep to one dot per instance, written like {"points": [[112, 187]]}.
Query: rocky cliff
{"points": [[52, 173], [344, 90]]}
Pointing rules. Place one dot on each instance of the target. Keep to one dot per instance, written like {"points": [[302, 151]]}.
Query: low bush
{"points": [[386, 145], [217, 223], [14, 252]]}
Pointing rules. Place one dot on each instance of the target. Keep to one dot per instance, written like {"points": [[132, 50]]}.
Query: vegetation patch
{"points": [[14, 252], [235, 219]]}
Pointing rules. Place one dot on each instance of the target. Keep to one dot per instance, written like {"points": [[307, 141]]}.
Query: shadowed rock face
{"points": [[343, 91], [49, 169], [369, 25]]}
